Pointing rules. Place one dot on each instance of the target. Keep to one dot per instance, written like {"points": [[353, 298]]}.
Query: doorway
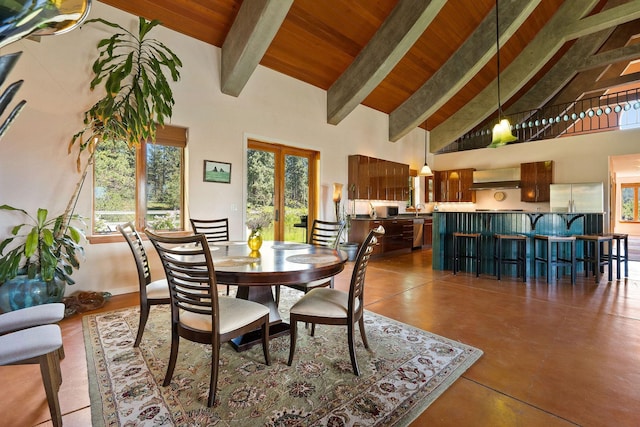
{"points": [[282, 185]]}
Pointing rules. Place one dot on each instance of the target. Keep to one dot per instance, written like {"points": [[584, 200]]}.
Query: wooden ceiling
{"points": [[418, 61]]}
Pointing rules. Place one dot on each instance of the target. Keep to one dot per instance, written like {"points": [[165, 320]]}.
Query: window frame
{"points": [[168, 135], [636, 189]]}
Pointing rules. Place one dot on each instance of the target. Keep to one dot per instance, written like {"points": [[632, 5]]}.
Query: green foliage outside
{"points": [[260, 174], [627, 204], [115, 184]]}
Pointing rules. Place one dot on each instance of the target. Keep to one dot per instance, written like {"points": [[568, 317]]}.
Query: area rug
{"points": [[403, 372]]}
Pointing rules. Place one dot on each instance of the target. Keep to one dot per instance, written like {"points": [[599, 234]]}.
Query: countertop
{"points": [[400, 216]]}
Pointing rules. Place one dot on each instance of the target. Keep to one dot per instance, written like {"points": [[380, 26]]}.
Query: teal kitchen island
{"points": [[489, 223]]}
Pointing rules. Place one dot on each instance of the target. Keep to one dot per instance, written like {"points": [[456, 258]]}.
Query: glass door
{"points": [[281, 184]]}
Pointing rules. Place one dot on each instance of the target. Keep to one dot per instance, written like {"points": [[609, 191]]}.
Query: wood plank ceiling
{"points": [[419, 61]]}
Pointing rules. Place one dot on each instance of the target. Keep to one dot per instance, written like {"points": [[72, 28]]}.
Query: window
{"points": [[629, 197], [144, 185]]}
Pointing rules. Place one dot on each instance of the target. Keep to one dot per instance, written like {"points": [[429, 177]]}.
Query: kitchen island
{"points": [[489, 223]]}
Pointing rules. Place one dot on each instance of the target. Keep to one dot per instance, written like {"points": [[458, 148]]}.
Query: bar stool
{"points": [[551, 259], [517, 257], [593, 257], [622, 242], [461, 250]]}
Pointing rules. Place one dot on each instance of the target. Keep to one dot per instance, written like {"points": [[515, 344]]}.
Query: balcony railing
{"points": [[597, 114]]}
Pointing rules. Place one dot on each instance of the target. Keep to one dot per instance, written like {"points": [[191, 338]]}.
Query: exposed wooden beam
{"points": [[608, 18], [560, 74], [250, 35], [561, 28], [626, 53], [615, 82], [459, 69], [394, 38]]}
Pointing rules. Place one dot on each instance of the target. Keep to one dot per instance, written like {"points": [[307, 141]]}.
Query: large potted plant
{"points": [[134, 72], [37, 270]]}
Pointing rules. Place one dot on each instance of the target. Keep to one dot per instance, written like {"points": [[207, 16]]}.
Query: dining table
{"points": [[275, 263]]}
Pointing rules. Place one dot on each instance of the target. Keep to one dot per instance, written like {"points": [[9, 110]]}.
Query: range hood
{"points": [[495, 179]]}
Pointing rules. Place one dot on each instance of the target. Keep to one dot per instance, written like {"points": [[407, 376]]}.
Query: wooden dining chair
{"points": [[41, 345], [215, 230], [151, 292], [326, 234], [328, 306], [197, 312]]}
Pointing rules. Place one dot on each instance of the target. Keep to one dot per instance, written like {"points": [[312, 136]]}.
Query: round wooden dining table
{"points": [[276, 263]]}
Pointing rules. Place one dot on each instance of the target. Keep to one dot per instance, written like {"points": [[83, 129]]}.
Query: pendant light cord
{"points": [[498, 61]]}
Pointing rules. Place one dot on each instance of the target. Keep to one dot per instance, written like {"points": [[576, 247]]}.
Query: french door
{"points": [[282, 184]]}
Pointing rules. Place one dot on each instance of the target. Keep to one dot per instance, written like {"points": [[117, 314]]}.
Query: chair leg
{"points": [[265, 341], [293, 334], [228, 288], [362, 332], [352, 349], [213, 380], [51, 378], [144, 315], [173, 356]]}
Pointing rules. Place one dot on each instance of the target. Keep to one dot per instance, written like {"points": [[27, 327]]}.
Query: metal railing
{"points": [[611, 111]]}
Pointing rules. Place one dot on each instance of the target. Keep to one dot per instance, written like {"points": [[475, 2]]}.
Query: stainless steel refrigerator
{"points": [[577, 197]]}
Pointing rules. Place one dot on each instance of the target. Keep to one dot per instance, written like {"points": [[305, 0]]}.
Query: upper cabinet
{"points": [[535, 181], [453, 186], [377, 179]]}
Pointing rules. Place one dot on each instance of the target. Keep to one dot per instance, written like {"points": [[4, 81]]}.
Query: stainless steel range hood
{"points": [[495, 179]]}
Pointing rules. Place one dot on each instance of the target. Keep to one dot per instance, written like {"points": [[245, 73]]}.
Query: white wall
{"points": [[36, 171]]}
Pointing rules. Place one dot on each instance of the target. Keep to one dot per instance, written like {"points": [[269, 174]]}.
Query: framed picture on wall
{"points": [[217, 171]]}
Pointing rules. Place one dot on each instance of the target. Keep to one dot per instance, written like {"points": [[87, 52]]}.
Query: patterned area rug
{"points": [[404, 370]]}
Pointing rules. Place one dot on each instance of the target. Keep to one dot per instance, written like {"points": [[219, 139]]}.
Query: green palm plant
{"points": [[134, 71]]}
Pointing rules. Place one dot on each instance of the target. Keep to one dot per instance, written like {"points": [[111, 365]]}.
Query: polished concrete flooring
{"points": [[554, 355]]}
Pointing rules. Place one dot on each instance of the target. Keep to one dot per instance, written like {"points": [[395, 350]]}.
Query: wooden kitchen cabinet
{"points": [[454, 185], [427, 233], [398, 234], [535, 181], [377, 179]]}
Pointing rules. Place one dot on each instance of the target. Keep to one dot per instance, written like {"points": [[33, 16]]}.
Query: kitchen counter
{"points": [[488, 223]]}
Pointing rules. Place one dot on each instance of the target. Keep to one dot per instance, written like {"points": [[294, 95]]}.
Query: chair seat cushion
{"points": [[234, 313], [158, 289], [29, 343], [323, 302], [31, 316]]}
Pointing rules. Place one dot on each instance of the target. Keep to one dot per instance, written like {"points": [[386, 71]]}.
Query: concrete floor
{"points": [[554, 355]]}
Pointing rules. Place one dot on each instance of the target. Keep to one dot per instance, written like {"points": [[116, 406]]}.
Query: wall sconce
{"points": [[337, 197]]}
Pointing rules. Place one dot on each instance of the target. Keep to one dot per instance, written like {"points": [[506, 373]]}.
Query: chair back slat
{"points": [[326, 233], [216, 230], [190, 274], [139, 254], [356, 288]]}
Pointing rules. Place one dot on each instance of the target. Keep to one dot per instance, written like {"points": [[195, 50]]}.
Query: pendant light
{"points": [[426, 170], [502, 130]]}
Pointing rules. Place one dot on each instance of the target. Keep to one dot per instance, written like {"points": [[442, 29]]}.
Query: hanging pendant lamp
{"points": [[426, 170], [502, 130]]}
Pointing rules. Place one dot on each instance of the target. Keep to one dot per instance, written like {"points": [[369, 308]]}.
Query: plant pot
{"points": [[351, 248], [21, 292]]}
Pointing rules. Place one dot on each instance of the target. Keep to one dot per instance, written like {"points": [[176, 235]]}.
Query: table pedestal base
{"points": [[247, 341], [277, 327]]}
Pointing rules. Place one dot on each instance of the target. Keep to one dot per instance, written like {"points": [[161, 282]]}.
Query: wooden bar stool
{"points": [[516, 244], [593, 256], [466, 246], [622, 243], [554, 259]]}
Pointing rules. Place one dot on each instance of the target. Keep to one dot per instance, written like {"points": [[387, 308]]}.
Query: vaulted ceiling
{"points": [[419, 61]]}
